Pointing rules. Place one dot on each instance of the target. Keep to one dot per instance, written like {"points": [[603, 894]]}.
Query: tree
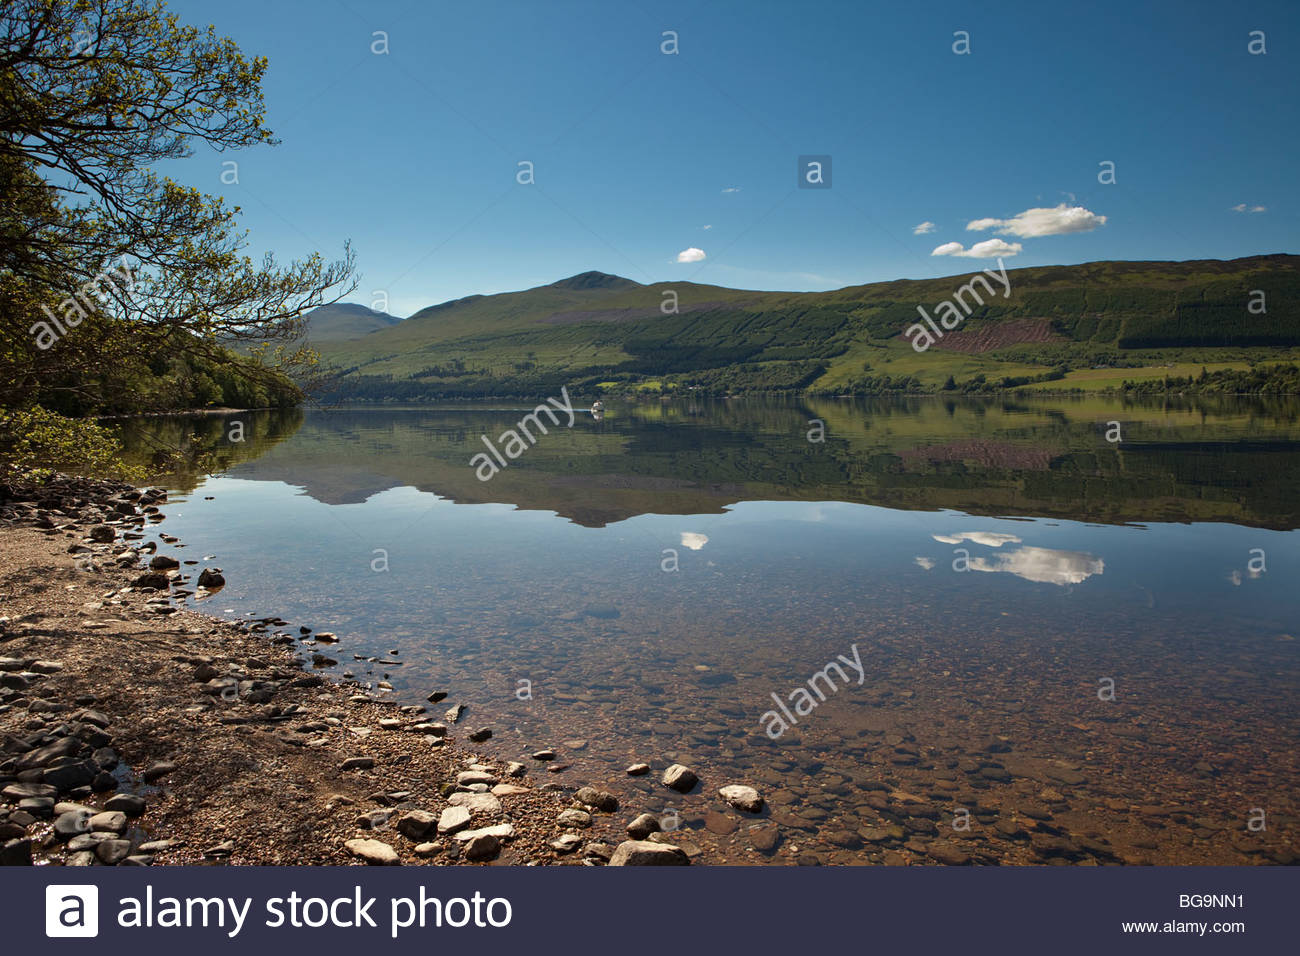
{"points": [[107, 267]]}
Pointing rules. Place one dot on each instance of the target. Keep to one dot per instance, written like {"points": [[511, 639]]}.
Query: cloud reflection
{"points": [[694, 541], [990, 539], [1043, 565]]}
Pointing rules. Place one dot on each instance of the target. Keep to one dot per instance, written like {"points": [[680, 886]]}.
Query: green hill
{"points": [[344, 321], [1092, 326]]}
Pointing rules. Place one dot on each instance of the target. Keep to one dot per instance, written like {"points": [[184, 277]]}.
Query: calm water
{"points": [[637, 589]]}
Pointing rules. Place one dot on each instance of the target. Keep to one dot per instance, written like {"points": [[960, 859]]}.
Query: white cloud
{"points": [[731, 189], [926, 563], [923, 228], [988, 249], [706, 227], [694, 541], [1043, 565], [690, 255], [1042, 221], [990, 539], [1242, 207]]}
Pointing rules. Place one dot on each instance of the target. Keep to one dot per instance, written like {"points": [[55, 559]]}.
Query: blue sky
{"points": [[640, 155]]}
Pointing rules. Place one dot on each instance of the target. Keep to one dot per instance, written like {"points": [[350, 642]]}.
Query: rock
{"points": [[373, 852], [67, 825], [152, 579], [502, 831], [544, 755], [111, 852], [574, 818], [428, 849], [374, 819], [645, 853], [87, 841], [220, 850], [163, 562], [643, 826], [476, 802], [947, 854], [102, 534], [42, 756], [482, 847], [92, 717], [600, 799], [16, 852], [765, 838], [42, 807], [508, 790], [598, 851], [453, 713], [515, 769], [110, 821], [357, 763], [70, 776], [467, 777], [453, 819], [436, 696], [127, 803], [742, 798], [566, 843], [843, 838], [211, 578], [390, 723], [719, 823], [638, 770], [22, 791], [159, 770], [480, 735], [417, 824], [67, 806], [679, 778], [11, 831]]}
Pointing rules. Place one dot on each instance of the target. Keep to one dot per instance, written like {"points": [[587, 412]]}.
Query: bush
{"points": [[41, 441]]}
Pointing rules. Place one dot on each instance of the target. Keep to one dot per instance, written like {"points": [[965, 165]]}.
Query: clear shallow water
{"points": [[984, 639]]}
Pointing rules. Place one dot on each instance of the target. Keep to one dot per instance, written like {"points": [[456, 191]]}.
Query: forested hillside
{"points": [[1060, 326]]}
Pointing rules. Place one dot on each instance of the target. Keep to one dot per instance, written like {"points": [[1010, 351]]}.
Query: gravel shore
{"points": [[134, 731]]}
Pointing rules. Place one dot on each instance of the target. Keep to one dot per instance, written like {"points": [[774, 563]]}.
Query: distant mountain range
{"points": [[1089, 326]]}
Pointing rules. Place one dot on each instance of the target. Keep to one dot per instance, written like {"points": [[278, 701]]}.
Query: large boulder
{"points": [[645, 853], [742, 798], [373, 852], [680, 778]]}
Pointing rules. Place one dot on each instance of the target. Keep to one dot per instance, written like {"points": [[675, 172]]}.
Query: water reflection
{"points": [[1042, 565], [978, 691]]}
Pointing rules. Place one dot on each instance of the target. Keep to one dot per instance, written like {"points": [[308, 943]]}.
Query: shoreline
{"points": [[135, 731]]}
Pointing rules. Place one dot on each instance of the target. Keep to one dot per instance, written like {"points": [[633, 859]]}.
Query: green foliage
{"points": [[121, 289], [1269, 380], [39, 440]]}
